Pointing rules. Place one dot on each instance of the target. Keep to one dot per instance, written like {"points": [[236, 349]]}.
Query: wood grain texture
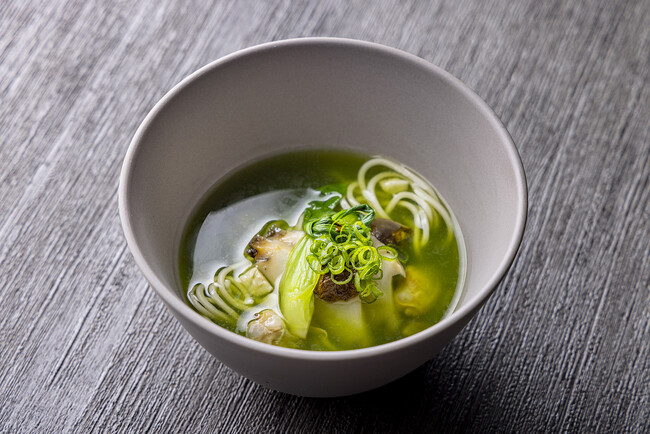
{"points": [[564, 343]]}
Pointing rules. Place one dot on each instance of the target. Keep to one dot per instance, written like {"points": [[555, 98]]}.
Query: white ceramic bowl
{"points": [[318, 92]]}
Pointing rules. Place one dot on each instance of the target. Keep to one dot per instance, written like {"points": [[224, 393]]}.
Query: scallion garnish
{"points": [[344, 248]]}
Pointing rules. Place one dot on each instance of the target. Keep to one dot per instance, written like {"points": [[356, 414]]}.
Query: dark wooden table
{"points": [[563, 344]]}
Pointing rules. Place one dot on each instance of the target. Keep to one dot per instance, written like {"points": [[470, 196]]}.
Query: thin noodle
{"points": [[214, 297]]}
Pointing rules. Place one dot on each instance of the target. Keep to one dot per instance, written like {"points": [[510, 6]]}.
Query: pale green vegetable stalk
{"points": [[345, 322], [297, 289], [382, 313]]}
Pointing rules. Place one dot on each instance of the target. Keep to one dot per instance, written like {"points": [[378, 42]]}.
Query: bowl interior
{"points": [[314, 95]]}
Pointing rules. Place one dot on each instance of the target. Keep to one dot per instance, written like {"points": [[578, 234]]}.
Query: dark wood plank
{"points": [[563, 345]]}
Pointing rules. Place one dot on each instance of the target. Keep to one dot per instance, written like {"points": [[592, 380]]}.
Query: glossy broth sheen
{"points": [[279, 188]]}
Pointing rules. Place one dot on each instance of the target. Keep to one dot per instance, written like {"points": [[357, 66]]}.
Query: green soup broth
{"points": [[279, 188]]}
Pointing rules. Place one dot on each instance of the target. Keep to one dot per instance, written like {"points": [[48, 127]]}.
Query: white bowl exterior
{"points": [[315, 93]]}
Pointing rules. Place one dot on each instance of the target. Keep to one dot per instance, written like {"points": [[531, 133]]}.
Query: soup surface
{"points": [[323, 250]]}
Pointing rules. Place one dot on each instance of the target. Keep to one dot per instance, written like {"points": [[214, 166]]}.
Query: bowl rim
{"points": [[179, 307]]}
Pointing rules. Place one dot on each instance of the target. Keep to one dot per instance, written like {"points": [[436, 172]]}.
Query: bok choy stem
{"points": [[297, 289]]}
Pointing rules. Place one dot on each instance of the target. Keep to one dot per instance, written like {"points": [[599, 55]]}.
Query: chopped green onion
{"points": [[343, 244]]}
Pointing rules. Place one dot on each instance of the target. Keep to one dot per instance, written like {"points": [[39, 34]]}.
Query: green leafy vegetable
{"points": [[297, 289], [317, 209], [338, 187]]}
